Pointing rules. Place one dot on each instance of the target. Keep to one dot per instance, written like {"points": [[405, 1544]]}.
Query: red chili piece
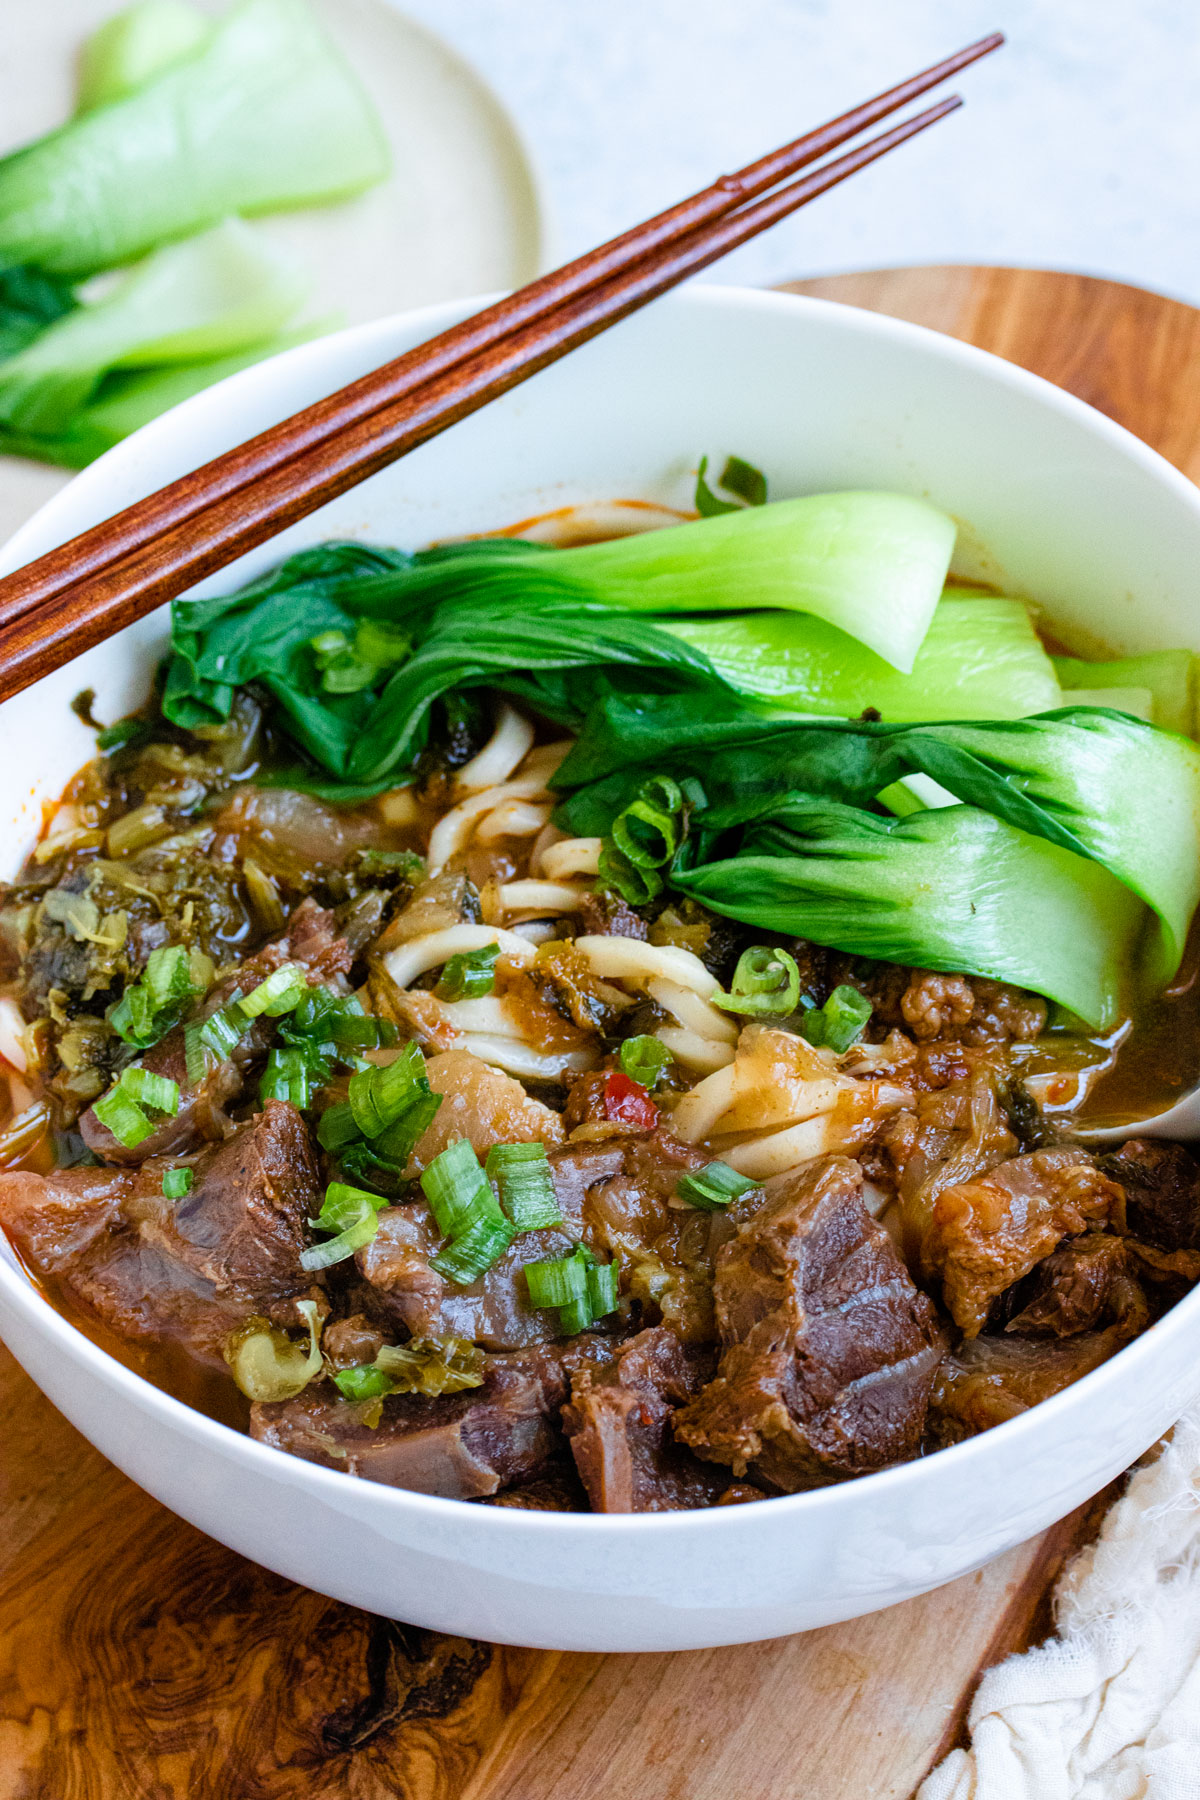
{"points": [[626, 1102]]}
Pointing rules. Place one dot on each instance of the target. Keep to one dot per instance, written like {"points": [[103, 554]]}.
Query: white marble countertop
{"points": [[1079, 146]]}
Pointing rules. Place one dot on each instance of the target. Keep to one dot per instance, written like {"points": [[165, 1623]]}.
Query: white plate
{"points": [[460, 214]]}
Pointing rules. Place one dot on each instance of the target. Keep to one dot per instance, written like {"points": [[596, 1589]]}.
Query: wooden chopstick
{"points": [[322, 423]]}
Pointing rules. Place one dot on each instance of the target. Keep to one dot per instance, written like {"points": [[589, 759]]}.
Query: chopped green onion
{"points": [[397, 1143], [708, 504], [350, 1212], [152, 1005], [582, 1289], [649, 830], [644, 1059], [840, 1022], [380, 1096], [522, 1174], [337, 1127], [714, 1186], [457, 1190], [282, 990], [123, 1117], [470, 1253], [766, 983], [470, 974], [216, 1036], [635, 886], [177, 1183], [148, 1089], [286, 1077], [365, 1382], [559, 1280]]}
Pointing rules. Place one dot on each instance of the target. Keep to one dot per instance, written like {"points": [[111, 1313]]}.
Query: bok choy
{"points": [[211, 296], [953, 889], [980, 659], [263, 114], [134, 46]]}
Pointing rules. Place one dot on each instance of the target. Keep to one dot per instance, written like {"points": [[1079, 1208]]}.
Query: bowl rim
{"points": [[19, 1288]]}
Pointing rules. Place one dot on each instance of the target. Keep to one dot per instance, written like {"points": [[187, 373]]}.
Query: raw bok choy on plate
{"points": [[129, 275], [782, 711]]}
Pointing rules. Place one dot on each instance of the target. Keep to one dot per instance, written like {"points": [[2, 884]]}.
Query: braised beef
{"points": [[991, 1379], [311, 939], [461, 1446], [985, 1234], [1087, 1282], [957, 1130], [183, 1271], [830, 1348], [1162, 1192], [618, 1422]]}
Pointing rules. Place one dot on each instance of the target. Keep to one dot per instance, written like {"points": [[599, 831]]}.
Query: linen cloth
{"points": [[1109, 1709]]}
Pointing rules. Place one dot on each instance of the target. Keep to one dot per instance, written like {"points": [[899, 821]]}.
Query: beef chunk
{"points": [[830, 1349], [462, 1446], [1162, 1192], [986, 1233], [1086, 1282], [183, 1271], [311, 939], [991, 1379], [403, 1289], [557, 1489], [618, 1423]]}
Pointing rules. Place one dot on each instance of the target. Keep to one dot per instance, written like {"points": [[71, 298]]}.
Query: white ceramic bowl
{"points": [[1054, 500]]}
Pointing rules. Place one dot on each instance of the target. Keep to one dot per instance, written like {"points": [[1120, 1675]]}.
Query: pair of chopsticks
{"points": [[120, 570]]}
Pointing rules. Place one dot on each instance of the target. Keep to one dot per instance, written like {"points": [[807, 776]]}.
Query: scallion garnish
{"points": [[124, 731], [643, 1059], [457, 1190], [405, 863], [840, 1022], [353, 1215], [365, 1382], [470, 974], [466, 1212], [336, 1128], [527, 1195], [737, 477], [582, 1289], [380, 1096], [177, 1183], [766, 983], [643, 839], [287, 1076], [472, 1252], [714, 1186], [172, 979], [214, 1037], [283, 989], [121, 1110]]}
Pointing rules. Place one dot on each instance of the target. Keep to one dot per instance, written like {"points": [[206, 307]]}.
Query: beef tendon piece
{"points": [[985, 1234], [483, 1105], [177, 1271], [830, 1348], [312, 940], [991, 1379], [1162, 1193], [618, 1422], [1088, 1281], [462, 1446]]}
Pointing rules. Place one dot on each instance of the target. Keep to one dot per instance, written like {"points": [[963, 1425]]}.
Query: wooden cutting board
{"points": [[141, 1661]]}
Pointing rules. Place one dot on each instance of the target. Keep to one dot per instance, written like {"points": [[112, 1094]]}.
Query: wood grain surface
{"points": [[141, 1661]]}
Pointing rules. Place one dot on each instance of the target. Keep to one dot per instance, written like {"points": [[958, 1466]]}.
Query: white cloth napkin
{"points": [[1110, 1708]]}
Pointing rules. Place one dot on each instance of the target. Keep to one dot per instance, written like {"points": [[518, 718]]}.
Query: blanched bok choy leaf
{"points": [[1167, 677], [134, 46], [954, 889], [211, 296], [1098, 784], [981, 659], [263, 115]]}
